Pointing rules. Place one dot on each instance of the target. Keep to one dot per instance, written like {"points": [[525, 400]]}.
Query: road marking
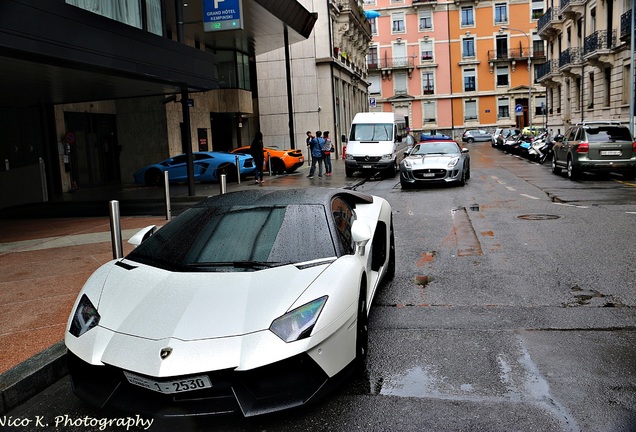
{"points": [[529, 196], [570, 205], [510, 188]]}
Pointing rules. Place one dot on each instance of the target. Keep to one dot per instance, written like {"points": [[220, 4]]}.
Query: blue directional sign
{"points": [[519, 110], [221, 15]]}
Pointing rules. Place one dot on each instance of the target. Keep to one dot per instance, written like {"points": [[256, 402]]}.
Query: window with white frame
{"points": [[426, 19], [426, 50], [470, 110], [470, 84], [503, 108], [372, 57], [376, 84], [399, 83], [502, 76], [501, 13], [397, 18], [537, 9], [468, 16], [468, 47], [428, 82], [374, 26], [539, 105], [429, 109]]}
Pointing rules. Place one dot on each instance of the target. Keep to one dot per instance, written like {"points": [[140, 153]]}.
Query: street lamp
{"points": [[501, 30]]}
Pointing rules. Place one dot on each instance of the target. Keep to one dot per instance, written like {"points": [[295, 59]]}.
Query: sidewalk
{"points": [[44, 263]]}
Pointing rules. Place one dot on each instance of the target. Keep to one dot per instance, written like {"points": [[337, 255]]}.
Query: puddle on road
{"points": [[591, 297], [416, 382]]}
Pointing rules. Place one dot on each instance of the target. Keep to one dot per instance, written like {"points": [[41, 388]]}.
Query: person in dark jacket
{"points": [[256, 150], [316, 154]]}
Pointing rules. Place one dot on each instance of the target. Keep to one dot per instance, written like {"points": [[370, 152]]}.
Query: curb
{"points": [[30, 377]]}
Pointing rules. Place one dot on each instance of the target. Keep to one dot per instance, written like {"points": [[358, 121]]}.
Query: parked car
{"points": [[430, 161], [208, 166], [234, 306], [500, 135], [596, 146], [282, 160], [532, 131], [473, 135], [493, 139]]}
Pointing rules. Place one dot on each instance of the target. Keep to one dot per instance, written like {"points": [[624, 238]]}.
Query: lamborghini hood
{"points": [[156, 304]]}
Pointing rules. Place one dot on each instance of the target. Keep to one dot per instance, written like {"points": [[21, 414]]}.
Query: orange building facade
{"points": [[456, 65]]}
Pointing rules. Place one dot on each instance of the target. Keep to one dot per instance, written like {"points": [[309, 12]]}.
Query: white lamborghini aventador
{"points": [[251, 302]]}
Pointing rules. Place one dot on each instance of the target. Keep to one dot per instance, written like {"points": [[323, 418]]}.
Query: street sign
{"points": [[372, 102], [519, 110], [221, 15]]}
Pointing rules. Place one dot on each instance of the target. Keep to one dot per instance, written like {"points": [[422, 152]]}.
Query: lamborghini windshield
{"points": [[238, 237]]}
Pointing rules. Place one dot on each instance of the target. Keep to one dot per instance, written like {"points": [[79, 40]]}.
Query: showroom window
{"points": [[143, 14]]}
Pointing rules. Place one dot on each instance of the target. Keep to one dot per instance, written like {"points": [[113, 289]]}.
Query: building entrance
{"points": [[94, 151]]}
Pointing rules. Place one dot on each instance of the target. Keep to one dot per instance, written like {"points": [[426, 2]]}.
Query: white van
{"points": [[377, 141]]}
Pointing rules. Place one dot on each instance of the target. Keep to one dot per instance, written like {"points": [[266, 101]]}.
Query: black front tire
{"points": [[390, 269], [278, 167], [153, 177], [555, 168], [573, 172], [362, 332], [348, 172]]}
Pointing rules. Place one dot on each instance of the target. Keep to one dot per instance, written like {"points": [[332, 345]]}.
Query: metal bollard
{"points": [[269, 163], [166, 185], [223, 184], [238, 170], [115, 230]]}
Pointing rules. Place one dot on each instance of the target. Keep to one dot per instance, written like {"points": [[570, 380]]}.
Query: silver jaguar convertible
{"points": [[439, 161]]}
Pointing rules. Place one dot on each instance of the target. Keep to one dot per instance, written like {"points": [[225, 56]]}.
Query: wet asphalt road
{"points": [[512, 309]]}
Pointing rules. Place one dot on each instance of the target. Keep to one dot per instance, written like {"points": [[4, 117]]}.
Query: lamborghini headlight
{"points": [[453, 162], [85, 317], [298, 323]]}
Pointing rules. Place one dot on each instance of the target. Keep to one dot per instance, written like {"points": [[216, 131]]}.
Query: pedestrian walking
{"points": [[307, 140], [256, 150], [316, 144], [327, 148]]}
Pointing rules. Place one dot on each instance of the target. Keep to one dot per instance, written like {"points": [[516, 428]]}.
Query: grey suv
{"points": [[596, 146]]}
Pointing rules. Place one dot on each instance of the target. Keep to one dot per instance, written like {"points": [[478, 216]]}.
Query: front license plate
{"points": [[169, 387], [366, 166], [428, 174], [611, 153]]}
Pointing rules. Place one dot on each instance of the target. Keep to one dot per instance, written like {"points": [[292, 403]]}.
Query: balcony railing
{"points": [[600, 40], [397, 63], [546, 68], [512, 54], [545, 19], [570, 56]]}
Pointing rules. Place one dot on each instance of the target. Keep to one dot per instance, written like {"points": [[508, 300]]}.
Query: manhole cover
{"points": [[538, 217]]}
